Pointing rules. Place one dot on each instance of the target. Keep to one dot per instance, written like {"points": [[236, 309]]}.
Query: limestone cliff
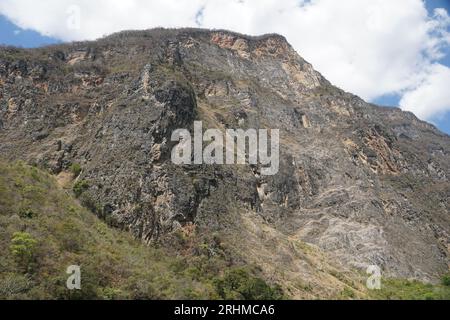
{"points": [[358, 184]]}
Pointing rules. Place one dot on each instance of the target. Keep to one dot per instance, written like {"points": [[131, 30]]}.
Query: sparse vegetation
{"points": [[401, 289], [113, 265], [238, 283]]}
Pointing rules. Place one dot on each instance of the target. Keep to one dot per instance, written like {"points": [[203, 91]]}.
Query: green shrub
{"points": [[238, 283], [446, 280], [95, 207], [75, 168], [347, 293], [428, 296], [23, 249], [26, 213], [111, 294], [79, 187]]}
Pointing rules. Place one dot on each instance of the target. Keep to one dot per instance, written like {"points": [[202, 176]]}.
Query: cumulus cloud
{"points": [[368, 47], [91, 19], [431, 98]]}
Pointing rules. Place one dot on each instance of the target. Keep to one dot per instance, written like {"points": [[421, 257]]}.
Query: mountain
{"points": [[357, 184]]}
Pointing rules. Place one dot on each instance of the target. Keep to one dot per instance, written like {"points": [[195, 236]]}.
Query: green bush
{"points": [[446, 280], [75, 168], [238, 283], [111, 294], [23, 249], [347, 293], [27, 213], [90, 203], [79, 187]]}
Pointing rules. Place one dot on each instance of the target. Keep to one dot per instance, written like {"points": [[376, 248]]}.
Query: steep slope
{"points": [[43, 231], [358, 183]]}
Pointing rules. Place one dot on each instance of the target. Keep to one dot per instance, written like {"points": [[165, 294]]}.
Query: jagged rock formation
{"points": [[364, 184]]}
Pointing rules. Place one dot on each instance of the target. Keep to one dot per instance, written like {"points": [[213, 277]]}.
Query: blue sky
{"points": [[362, 68], [442, 122], [13, 35]]}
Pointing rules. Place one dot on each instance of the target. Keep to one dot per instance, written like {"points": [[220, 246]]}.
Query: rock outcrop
{"points": [[364, 184]]}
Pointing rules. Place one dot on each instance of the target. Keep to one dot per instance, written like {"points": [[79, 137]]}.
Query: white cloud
{"points": [[368, 47], [431, 98], [97, 17]]}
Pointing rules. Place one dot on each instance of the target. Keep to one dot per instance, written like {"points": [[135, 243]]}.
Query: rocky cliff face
{"points": [[358, 183]]}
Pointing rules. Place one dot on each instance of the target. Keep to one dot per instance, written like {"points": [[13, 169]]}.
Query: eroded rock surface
{"points": [[365, 184]]}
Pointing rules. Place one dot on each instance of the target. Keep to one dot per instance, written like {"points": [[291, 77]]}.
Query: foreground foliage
{"points": [[43, 230], [400, 289]]}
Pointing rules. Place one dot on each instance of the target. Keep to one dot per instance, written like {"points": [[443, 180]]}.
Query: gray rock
{"points": [[368, 185]]}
